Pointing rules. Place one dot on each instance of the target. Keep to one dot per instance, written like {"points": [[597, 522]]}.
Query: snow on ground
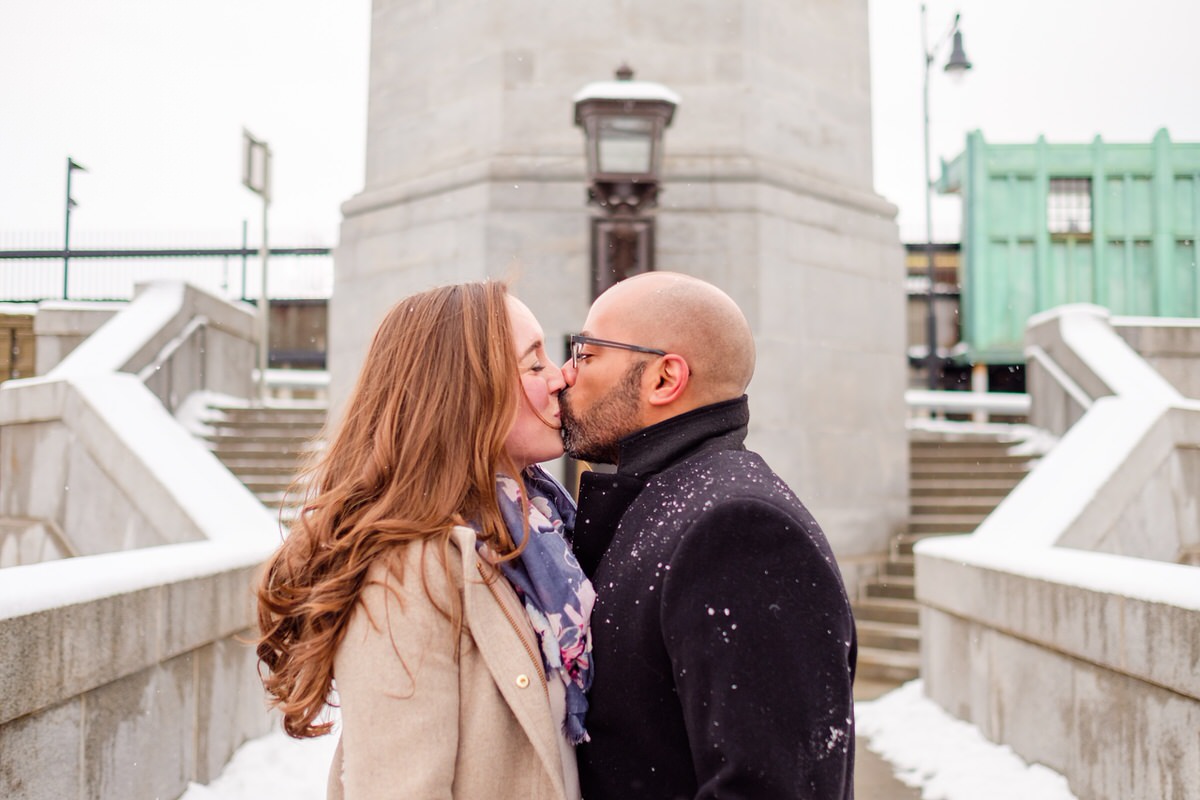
{"points": [[273, 766], [947, 758]]}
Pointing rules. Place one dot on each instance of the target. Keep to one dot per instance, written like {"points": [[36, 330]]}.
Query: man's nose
{"points": [[569, 373], [556, 380]]}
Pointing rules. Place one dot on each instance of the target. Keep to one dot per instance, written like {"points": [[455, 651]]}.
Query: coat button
{"points": [[523, 681]]}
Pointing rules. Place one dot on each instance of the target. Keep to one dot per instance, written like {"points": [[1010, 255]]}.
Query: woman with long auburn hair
{"points": [[426, 588]]}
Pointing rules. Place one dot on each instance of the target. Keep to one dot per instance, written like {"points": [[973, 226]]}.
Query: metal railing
{"points": [[31, 274], [159, 374]]}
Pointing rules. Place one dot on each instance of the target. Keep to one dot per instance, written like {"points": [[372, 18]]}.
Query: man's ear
{"points": [[670, 380]]}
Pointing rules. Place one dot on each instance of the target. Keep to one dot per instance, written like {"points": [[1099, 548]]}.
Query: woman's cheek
{"points": [[537, 391]]}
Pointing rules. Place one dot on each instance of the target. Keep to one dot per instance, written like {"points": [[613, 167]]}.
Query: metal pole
{"points": [[932, 363], [67, 230], [245, 228], [250, 180], [13, 353], [264, 310]]}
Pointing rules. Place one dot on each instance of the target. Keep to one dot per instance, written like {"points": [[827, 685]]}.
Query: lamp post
{"points": [[256, 176], [623, 122], [956, 66], [71, 167]]}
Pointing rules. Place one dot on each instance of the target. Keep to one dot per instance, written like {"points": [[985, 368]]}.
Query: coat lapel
{"points": [[501, 631], [603, 500]]}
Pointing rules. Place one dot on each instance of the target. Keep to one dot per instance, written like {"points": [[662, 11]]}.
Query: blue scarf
{"points": [[557, 596]]}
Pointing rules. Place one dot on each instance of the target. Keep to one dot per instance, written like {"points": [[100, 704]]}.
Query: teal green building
{"points": [[1044, 224]]}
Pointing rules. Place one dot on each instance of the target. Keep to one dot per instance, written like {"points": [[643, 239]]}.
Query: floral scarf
{"points": [[557, 596]]}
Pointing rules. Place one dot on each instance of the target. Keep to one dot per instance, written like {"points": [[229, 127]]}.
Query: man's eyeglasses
{"points": [[578, 341]]}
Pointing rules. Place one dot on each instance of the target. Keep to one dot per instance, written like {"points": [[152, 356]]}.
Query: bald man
{"points": [[723, 640]]}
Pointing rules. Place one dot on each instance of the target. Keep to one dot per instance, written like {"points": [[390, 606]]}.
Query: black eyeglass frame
{"points": [[579, 340]]}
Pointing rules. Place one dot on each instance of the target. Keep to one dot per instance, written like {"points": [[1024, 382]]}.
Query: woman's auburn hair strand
{"points": [[417, 453]]}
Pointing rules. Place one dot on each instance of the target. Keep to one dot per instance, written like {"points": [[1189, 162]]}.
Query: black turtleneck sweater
{"points": [[723, 641]]}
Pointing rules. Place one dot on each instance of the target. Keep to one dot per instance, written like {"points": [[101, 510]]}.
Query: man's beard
{"points": [[595, 435]]}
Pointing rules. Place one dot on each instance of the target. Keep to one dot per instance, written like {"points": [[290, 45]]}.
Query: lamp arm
{"points": [[931, 52]]}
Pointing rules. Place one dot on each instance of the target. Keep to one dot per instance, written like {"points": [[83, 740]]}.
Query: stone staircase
{"points": [[956, 478], [265, 446]]}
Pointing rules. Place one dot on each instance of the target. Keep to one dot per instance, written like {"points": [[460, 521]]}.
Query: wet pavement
{"points": [[873, 778]]}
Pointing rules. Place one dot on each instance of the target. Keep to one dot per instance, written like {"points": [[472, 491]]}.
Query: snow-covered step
{"points": [[265, 446], [957, 477], [886, 664]]}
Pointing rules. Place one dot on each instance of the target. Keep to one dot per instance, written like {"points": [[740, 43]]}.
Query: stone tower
{"points": [[474, 169]]}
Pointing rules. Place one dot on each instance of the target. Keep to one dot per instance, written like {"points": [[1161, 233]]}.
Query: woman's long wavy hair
{"points": [[417, 452]]}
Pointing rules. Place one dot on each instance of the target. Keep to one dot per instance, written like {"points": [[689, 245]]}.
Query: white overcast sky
{"points": [[151, 96]]}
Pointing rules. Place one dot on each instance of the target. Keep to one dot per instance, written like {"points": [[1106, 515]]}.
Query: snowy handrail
{"points": [[196, 324], [1037, 355], [1109, 452], [1005, 403], [152, 331], [163, 364]]}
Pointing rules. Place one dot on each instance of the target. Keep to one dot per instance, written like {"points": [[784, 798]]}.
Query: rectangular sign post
{"points": [[256, 176]]}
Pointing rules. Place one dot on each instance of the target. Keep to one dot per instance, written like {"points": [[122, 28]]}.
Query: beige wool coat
{"points": [[416, 723]]}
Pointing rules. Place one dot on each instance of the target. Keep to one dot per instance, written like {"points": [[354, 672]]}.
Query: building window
{"points": [[1069, 206]]}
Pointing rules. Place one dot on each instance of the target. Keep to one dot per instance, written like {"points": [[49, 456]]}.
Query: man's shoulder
{"points": [[714, 479], [744, 469]]}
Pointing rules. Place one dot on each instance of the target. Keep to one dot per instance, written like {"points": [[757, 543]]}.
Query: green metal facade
{"points": [[1139, 258]]}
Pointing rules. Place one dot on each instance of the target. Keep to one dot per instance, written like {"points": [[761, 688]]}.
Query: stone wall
{"points": [[127, 691], [30, 541], [1171, 346], [1099, 684], [61, 325], [102, 463]]}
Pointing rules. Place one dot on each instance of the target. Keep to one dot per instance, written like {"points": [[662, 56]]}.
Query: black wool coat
{"points": [[723, 641]]}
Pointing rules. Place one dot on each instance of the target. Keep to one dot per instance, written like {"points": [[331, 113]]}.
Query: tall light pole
{"points": [[956, 65], [71, 167], [256, 176]]}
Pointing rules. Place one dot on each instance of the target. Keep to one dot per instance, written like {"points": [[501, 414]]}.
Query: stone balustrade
{"points": [[127, 674], [125, 666], [1067, 626]]}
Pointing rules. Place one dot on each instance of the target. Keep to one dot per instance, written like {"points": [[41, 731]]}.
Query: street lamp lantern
{"points": [[957, 65], [623, 121], [624, 146]]}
